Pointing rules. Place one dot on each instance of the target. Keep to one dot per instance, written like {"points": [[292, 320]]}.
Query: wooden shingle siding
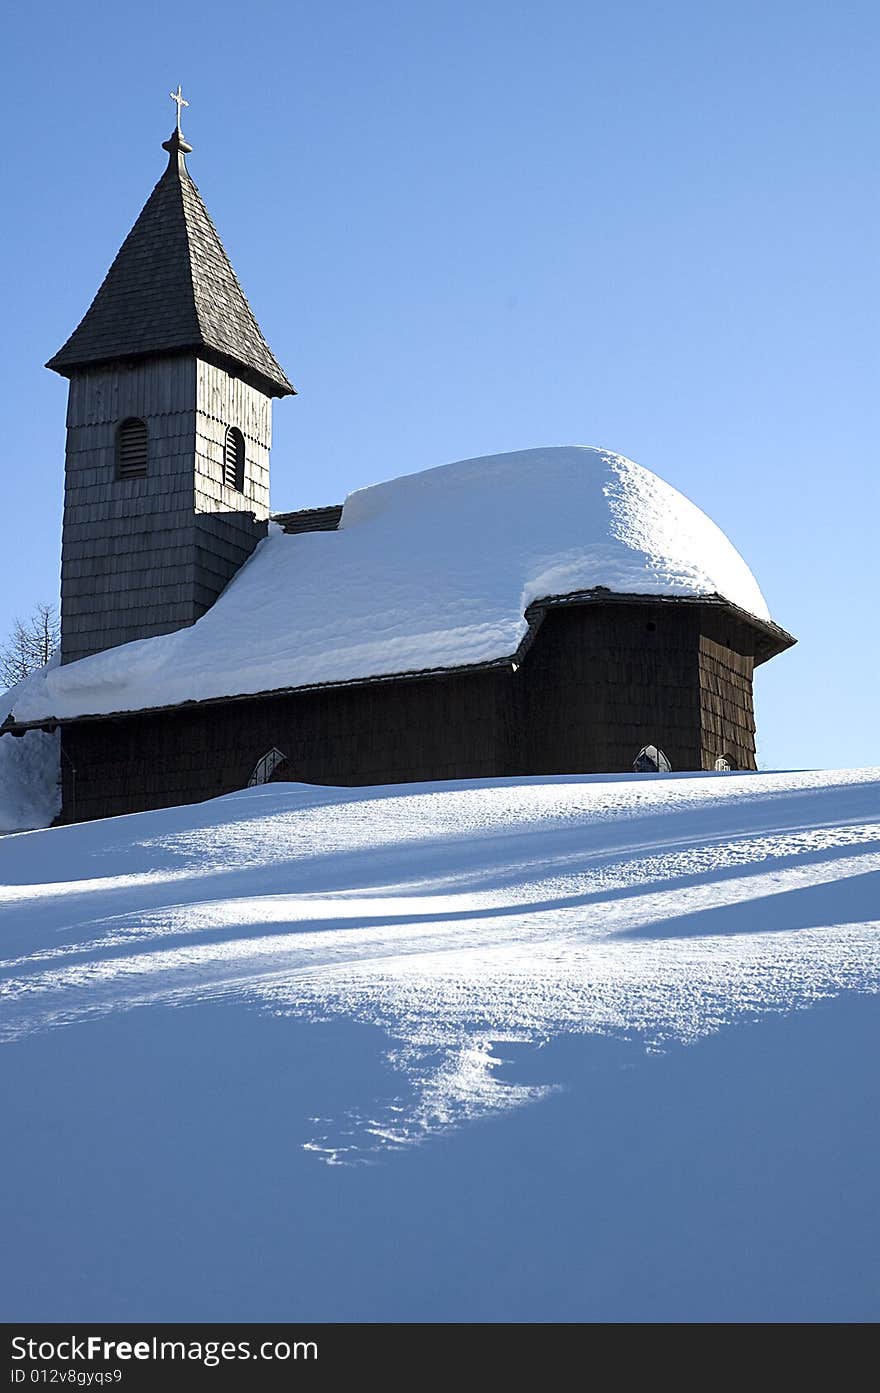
{"points": [[726, 711], [600, 685], [311, 519], [148, 555], [596, 685], [224, 401]]}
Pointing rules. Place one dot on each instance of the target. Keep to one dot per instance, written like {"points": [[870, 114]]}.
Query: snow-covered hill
{"points": [[577, 1048]]}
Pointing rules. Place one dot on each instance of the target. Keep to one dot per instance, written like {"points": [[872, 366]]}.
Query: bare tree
{"points": [[30, 645]]}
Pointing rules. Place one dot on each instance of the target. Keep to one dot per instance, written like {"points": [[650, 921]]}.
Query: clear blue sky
{"points": [[468, 228]]}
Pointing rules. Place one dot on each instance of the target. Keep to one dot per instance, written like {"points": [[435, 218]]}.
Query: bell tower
{"points": [[169, 427]]}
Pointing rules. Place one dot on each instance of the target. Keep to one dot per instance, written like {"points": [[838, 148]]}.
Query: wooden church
{"points": [[546, 612]]}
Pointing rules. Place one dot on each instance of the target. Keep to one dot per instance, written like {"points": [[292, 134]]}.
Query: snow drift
{"points": [[297, 1053], [30, 785], [430, 571]]}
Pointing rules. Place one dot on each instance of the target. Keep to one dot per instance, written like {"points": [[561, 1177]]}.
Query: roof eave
{"points": [[772, 640], [271, 386]]}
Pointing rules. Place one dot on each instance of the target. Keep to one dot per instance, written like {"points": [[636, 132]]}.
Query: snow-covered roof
{"points": [[430, 571]]}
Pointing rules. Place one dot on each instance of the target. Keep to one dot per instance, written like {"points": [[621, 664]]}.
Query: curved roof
{"points": [[431, 571]]}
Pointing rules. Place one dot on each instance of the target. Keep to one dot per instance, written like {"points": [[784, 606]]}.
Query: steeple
{"points": [[169, 428], [172, 289]]}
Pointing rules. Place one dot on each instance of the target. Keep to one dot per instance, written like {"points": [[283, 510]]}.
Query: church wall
{"points": [[384, 732], [222, 543], [149, 387], [124, 569], [726, 707], [149, 555], [603, 681], [226, 534], [598, 683], [224, 400]]}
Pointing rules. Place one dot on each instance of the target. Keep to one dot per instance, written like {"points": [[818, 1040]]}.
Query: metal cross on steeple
{"points": [[181, 101]]}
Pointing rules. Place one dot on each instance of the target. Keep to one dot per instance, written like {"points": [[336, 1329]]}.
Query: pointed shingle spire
{"points": [[172, 289]]}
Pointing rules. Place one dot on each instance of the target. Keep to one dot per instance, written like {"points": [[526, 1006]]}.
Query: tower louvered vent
{"points": [[233, 459], [131, 449]]}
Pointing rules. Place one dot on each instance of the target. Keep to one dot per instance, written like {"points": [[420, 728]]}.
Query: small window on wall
{"points": [[233, 459], [131, 449], [724, 764], [267, 767], [651, 760]]}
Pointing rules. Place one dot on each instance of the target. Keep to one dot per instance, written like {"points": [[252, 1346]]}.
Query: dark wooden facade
{"points": [[597, 682]]}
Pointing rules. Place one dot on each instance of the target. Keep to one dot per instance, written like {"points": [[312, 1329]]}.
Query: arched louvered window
{"points": [[233, 459], [131, 449], [651, 760], [725, 764]]}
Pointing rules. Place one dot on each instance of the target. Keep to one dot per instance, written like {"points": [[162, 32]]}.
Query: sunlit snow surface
{"points": [[460, 918]]}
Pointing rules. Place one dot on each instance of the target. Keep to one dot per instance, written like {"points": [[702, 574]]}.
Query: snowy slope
{"points": [[432, 570], [606, 1046]]}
